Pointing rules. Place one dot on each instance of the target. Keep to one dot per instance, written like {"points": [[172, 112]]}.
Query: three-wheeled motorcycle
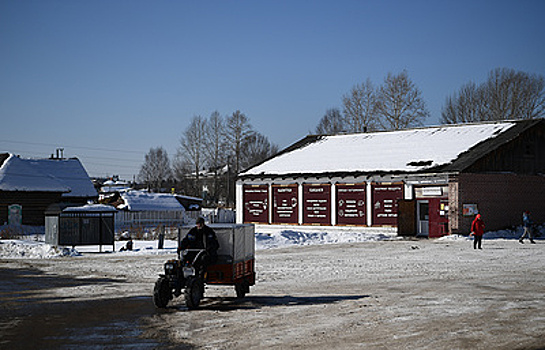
{"points": [[235, 266]]}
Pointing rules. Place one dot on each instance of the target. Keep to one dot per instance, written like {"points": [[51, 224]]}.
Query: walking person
{"points": [[527, 224], [477, 231]]}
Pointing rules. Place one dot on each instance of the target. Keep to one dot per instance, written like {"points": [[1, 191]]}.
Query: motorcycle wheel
{"points": [[161, 293], [193, 293]]}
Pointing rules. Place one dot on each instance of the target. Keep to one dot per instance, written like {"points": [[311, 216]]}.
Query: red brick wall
{"points": [[500, 198]]}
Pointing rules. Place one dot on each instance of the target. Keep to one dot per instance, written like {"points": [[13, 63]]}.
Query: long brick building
{"points": [[426, 181]]}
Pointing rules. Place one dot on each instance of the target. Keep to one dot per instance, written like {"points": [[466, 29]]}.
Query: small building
{"points": [[109, 190], [425, 181], [83, 225], [34, 184], [146, 209]]}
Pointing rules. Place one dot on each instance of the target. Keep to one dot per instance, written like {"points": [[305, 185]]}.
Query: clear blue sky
{"points": [[107, 80]]}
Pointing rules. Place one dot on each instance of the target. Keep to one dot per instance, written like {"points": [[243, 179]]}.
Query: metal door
{"points": [[423, 217]]}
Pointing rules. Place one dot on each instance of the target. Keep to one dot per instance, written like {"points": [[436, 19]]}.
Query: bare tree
{"points": [[469, 105], [257, 148], [156, 168], [331, 123], [360, 108], [400, 103], [190, 157], [216, 152], [238, 130], [514, 95], [506, 95]]}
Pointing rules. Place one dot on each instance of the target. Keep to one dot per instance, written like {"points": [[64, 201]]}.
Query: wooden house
{"points": [[29, 186]]}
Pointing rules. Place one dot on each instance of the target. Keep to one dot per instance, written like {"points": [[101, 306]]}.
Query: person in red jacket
{"points": [[477, 231]]}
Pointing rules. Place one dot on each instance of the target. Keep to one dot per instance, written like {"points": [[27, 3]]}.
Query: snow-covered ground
{"points": [[315, 289], [267, 237]]}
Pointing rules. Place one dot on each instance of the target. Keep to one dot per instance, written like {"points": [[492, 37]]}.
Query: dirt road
{"points": [[375, 295]]}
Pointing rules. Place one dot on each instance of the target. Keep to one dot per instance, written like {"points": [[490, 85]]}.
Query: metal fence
{"points": [[127, 219], [219, 215], [150, 224]]}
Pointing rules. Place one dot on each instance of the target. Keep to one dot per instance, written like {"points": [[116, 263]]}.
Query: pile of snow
{"points": [[281, 236], [267, 237], [12, 248]]}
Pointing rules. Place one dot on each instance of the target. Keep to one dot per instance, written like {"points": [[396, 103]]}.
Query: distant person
{"points": [[201, 237], [527, 224], [477, 231], [128, 246]]}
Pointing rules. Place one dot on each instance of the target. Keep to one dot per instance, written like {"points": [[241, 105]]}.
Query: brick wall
{"points": [[500, 198]]}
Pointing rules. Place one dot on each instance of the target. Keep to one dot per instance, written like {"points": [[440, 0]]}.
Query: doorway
{"points": [[423, 217]]}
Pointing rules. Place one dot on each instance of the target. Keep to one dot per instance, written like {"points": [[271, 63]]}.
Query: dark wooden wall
{"points": [[523, 155], [34, 205]]}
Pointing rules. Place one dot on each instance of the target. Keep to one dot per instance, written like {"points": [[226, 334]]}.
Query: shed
{"points": [[418, 181], [142, 208], [84, 225]]}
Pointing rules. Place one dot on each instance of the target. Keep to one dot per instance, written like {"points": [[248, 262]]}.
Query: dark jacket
{"points": [[205, 238], [526, 221]]}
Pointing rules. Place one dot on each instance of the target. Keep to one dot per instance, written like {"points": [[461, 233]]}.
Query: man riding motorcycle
{"points": [[198, 238]]}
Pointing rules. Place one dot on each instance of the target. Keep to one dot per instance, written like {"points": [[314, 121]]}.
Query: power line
{"points": [[124, 162], [114, 165], [134, 161], [71, 146]]}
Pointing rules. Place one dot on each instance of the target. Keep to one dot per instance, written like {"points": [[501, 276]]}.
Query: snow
{"points": [[148, 201], [405, 150], [384, 293], [18, 174], [110, 186], [33, 250], [266, 238], [68, 171], [49, 175], [91, 208]]}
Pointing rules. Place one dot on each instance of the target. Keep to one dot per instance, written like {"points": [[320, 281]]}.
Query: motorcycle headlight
{"points": [[170, 267]]}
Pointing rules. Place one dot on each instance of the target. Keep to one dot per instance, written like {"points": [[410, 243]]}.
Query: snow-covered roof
{"points": [[147, 201], [45, 175], [114, 187], [181, 196], [394, 151], [69, 172], [91, 208], [17, 174]]}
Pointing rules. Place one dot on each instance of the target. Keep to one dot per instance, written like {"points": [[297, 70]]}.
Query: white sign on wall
{"points": [[15, 214]]}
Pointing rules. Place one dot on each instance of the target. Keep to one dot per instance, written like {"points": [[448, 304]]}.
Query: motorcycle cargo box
{"points": [[236, 241]]}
